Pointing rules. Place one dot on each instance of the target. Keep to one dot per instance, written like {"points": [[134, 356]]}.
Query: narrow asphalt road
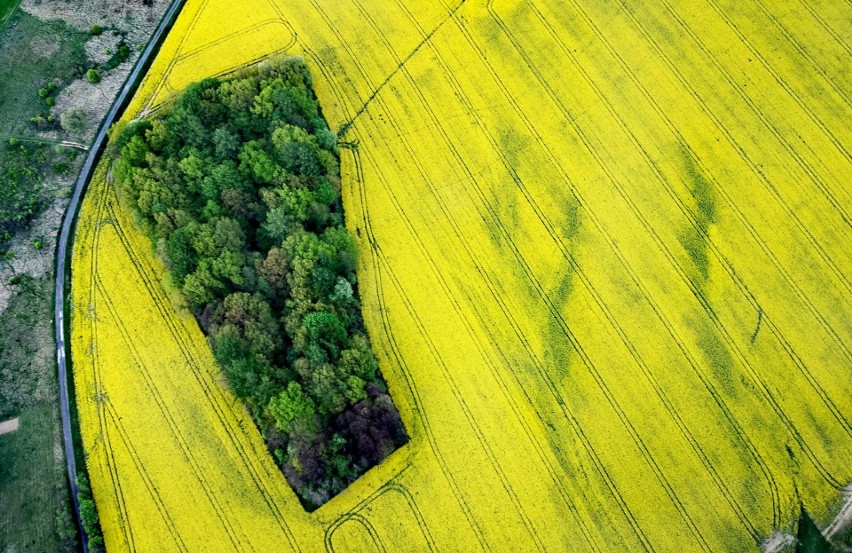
{"points": [[66, 234]]}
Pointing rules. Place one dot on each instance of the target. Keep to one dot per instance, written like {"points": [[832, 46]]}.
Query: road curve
{"points": [[66, 234]]}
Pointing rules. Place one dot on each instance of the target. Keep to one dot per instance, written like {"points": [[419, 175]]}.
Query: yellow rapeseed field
{"points": [[605, 266]]}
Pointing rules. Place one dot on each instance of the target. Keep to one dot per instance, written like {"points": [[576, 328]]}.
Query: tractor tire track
{"points": [[468, 413], [718, 255], [109, 452], [557, 481], [833, 481], [215, 397], [768, 185], [174, 428]]}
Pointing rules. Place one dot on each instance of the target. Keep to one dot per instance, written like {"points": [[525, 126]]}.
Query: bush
{"points": [[74, 121], [93, 76], [89, 515], [96, 30]]}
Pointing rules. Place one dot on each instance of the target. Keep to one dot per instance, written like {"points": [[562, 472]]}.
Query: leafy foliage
{"points": [[19, 194], [237, 183], [22, 194], [74, 120], [89, 515]]}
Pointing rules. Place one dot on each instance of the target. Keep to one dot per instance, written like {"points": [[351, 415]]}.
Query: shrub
{"points": [[74, 120], [89, 515]]}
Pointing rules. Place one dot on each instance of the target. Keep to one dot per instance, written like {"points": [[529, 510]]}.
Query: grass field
{"points": [[32, 53], [29, 474], [604, 265], [34, 497], [33, 491]]}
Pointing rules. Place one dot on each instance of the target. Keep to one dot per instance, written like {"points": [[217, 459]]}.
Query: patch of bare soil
{"points": [[133, 19], [33, 250], [844, 517], [778, 542], [8, 426], [93, 99], [100, 48], [137, 18]]}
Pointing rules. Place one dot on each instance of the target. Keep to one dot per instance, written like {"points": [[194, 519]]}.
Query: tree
{"points": [[157, 136], [290, 209], [345, 258], [299, 158], [277, 102], [199, 287], [225, 142], [184, 125], [323, 330], [358, 359], [252, 320], [273, 269], [93, 76], [89, 514], [260, 165], [325, 192], [135, 152], [292, 409], [333, 389], [343, 295], [223, 176], [179, 257], [327, 139]]}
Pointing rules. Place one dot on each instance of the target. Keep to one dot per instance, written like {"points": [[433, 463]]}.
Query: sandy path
{"points": [[8, 426]]}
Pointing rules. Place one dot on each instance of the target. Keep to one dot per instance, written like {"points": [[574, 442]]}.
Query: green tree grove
{"points": [[237, 183]]}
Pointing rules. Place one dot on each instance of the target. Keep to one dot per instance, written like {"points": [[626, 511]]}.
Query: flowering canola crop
{"points": [[604, 266]]}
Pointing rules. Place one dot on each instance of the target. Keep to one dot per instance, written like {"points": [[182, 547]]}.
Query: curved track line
{"points": [[66, 233], [215, 396]]}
